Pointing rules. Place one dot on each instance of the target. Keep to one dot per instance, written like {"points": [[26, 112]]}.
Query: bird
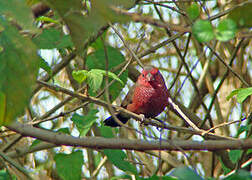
{"points": [[148, 97]]}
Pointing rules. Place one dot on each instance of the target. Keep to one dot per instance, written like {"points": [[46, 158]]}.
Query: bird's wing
{"points": [[128, 98]]}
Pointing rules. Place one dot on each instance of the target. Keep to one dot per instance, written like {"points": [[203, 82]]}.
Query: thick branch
{"points": [[118, 143]]}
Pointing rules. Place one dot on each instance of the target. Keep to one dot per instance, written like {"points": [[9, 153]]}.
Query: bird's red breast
{"points": [[150, 96]]}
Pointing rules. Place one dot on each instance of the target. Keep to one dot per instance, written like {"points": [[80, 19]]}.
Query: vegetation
{"points": [[65, 66]]}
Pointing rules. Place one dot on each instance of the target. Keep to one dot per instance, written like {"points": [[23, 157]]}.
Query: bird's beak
{"points": [[149, 77]]}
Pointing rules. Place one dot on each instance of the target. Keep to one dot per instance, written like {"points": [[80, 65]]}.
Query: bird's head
{"points": [[151, 75]]}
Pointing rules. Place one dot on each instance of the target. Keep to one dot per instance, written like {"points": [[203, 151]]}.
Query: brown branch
{"points": [[149, 20], [118, 143]]}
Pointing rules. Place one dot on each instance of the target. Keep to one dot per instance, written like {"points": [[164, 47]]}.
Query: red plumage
{"points": [[149, 96]]}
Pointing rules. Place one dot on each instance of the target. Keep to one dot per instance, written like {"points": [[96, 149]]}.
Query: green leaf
{"points": [[106, 132], [235, 155], [225, 169], [193, 11], [226, 30], [203, 30], [18, 10], [98, 44], [84, 123], [185, 173], [241, 15], [2, 107], [249, 151], [45, 66], [5, 175], [241, 93], [94, 80], [69, 166], [80, 75], [97, 159], [110, 74], [240, 175], [64, 130], [94, 77], [19, 67], [52, 38], [233, 93], [117, 157], [35, 142], [242, 129], [97, 61]]}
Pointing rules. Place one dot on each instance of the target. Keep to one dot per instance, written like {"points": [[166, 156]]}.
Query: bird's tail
{"points": [[110, 121]]}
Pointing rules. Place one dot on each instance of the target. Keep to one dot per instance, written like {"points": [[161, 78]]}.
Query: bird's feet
{"points": [[143, 120]]}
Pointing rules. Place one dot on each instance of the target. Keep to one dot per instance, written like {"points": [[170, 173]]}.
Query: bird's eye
{"points": [[143, 75]]}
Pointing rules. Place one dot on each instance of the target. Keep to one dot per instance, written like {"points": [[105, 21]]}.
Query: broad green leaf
{"points": [[97, 61], [2, 107], [185, 173], [52, 38], [80, 75], [98, 44], [235, 155], [94, 80], [5, 175], [84, 123], [242, 15], [241, 93], [110, 74], [18, 10], [69, 166], [19, 67], [45, 66], [203, 30], [193, 11], [106, 132], [226, 30], [240, 175], [80, 25], [117, 157]]}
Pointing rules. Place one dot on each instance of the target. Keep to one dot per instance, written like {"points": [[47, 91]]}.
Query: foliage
{"points": [[242, 94], [18, 70], [69, 166], [93, 77], [75, 47]]}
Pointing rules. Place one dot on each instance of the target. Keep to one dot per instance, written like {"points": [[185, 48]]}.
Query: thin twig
{"points": [[126, 45]]}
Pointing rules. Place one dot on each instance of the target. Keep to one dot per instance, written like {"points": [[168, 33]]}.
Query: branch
{"points": [[149, 20], [118, 143]]}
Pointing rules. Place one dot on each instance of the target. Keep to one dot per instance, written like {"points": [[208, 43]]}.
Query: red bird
{"points": [[149, 96]]}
